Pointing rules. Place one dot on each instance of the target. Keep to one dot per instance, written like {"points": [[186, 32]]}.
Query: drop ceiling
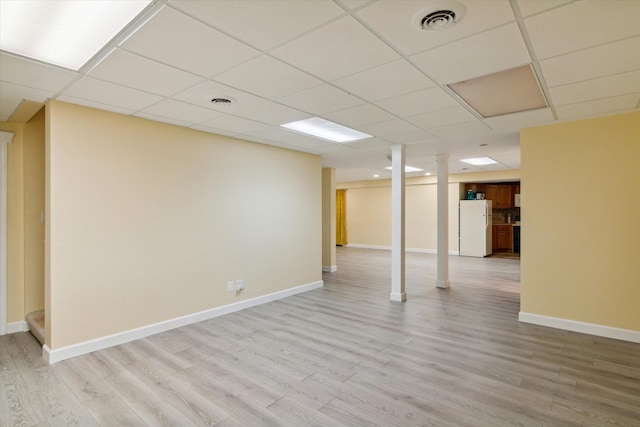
{"points": [[355, 62]]}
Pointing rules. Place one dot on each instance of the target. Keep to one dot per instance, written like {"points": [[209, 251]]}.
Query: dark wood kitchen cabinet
{"points": [[501, 237], [500, 195]]}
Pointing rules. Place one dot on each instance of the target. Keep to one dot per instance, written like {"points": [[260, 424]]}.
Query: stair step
{"points": [[35, 320]]}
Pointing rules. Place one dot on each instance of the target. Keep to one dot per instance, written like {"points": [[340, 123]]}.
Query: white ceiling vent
{"points": [[439, 15]]}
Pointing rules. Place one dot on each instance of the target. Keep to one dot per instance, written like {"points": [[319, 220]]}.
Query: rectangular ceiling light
{"points": [[480, 161], [65, 33], [501, 93], [407, 169], [324, 129]]}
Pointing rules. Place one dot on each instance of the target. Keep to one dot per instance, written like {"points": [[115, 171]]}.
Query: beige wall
{"points": [[580, 233], [328, 218], [25, 234], [148, 222], [369, 209], [33, 206], [15, 223]]}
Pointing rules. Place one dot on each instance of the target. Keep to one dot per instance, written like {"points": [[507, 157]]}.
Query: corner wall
{"points": [[148, 222], [581, 230]]}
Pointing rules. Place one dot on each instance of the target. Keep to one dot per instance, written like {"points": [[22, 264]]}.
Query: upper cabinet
{"points": [[502, 196]]}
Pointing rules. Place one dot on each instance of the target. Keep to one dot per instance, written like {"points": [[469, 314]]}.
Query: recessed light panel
{"points": [[480, 161], [501, 93], [62, 32], [324, 129]]}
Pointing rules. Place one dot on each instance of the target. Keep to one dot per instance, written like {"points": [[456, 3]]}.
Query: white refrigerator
{"points": [[475, 228]]}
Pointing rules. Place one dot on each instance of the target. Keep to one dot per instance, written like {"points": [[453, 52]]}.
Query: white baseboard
{"points": [[52, 356], [585, 328], [14, 327], [388, 248], [329, 269]]}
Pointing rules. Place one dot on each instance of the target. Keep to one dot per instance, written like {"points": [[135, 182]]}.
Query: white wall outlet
{"points": [[231, 286], [239, 285]]}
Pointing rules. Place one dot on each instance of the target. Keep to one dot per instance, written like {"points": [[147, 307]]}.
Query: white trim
{"points": [[53, 356], [388, 248], [585, 328], [5, 139], [15, 327], [329, 269]]}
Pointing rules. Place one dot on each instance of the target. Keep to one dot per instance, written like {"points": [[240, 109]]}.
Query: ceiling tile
{"points": [[392, 19], [531, 7], [385, 81], [263, 24], [322, 99], [273, 114], [442, 118], [93, 104], [599, 106], [368, 143], [181, 111], [111, 94], [475, 56], [410, 137], [282, 79], [422, 101], [559, 31], [611, 58], [178, 40], [389, 127], [517, 121], [216, 131], [162, 119], [331, 57], [202, 94], [358, 116], [460, 129], [16, 93], [134, 71], [353, 4], [240, 125], [33, 74], [603, 87]]}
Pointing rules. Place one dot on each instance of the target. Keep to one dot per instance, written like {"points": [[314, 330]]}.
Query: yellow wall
{"points": [[328, 218], [581, 229], [33, 206], [25, 234], [15, 223], [369, 209], [148, 222]]}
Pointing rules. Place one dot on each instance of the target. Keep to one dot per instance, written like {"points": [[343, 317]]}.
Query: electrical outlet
{"points": [[231, 286], [239, 285]]}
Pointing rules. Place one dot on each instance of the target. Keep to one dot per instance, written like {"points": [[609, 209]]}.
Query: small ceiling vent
{"points": [[439, 15], [222, 101]]}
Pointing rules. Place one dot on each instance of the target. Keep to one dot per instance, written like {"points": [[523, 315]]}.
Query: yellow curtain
{"points": [[341, 217]]}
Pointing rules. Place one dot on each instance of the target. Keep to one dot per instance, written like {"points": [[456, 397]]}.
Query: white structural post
{"points": [[443, 221], [397, 223]]}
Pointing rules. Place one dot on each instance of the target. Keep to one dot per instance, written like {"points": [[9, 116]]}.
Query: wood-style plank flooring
{"points": [[343, 355]]}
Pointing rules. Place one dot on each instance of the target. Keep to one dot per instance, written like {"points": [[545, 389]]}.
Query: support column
{"points": [[329, 264], [397, 223], [443, 221]]}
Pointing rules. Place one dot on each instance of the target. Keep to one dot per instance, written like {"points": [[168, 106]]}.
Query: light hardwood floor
{"points": [[342, 355]]}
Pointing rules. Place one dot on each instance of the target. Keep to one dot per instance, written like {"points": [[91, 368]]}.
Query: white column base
{"points": [[398, 296], [444, 284]]}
